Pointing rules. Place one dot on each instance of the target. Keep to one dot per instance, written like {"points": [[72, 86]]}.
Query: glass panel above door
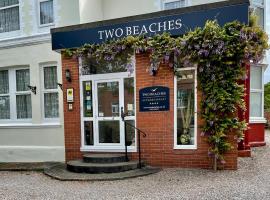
{"points": [[90, 66], [108, 99]]}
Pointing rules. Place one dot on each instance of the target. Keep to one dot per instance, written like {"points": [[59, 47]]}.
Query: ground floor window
{"points": [[15, 96], [256, 92], [185, 110], [50, 92]]}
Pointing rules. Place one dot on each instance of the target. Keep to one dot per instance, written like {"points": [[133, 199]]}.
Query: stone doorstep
{"points": [[60, 172], [31, 166]]}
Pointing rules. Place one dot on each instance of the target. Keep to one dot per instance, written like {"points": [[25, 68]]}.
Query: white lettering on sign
{"points": [[140, 30]]}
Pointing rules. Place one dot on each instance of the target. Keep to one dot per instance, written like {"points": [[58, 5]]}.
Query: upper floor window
{"points": [[9, 15], [46, 14], [172, 4], [259, 10]]}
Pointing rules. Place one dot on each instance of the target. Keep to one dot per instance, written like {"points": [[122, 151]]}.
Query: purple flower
{"points": [[166, 58], [197, 46], [202, 133], [211, 123], [210, 154], [176, 51]]}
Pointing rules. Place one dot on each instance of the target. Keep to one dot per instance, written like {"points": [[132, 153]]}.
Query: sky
{"points": [[267, 72]]}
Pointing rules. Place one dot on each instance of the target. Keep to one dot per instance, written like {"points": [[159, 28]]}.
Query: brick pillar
{"points": [[72, 120]]}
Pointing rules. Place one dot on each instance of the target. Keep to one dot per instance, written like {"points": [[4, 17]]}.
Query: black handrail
{"points": [[139, 137]]}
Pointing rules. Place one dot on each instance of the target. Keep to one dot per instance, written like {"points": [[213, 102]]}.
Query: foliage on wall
{"points": [[220, 55]]}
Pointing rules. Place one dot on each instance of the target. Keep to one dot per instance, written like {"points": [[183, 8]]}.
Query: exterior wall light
{"points": [[68, 75], [33, 89]]}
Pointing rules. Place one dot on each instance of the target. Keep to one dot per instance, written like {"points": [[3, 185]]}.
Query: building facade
{"points": [[31, 122], [95, 95]]}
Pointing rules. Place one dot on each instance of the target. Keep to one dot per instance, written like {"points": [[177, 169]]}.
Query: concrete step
{"points": [[80, 166], [104, 158]]}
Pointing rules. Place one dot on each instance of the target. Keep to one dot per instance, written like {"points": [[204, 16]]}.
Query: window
{"points": [[46, 14], [9, 15], [172, 4], [15, 96], [185, 110], [50, 92], [256, 92], [258, 9]]}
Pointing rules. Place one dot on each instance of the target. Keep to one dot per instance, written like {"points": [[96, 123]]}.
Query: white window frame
{"points": [[44, 91], [105, 77], [194, 146], [49, 24], [16, 32], [260, 119], [255, 5], [12, 96], [163, 2]]}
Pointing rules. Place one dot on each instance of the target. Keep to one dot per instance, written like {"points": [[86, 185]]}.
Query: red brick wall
{"points": [[72, 120], [157, 147], [256, 134]]}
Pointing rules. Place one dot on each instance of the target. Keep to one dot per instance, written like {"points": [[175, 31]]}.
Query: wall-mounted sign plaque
{"points": [[154, 99]]}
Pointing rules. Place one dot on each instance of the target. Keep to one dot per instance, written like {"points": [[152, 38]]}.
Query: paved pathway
{"points": [[250, 181]]}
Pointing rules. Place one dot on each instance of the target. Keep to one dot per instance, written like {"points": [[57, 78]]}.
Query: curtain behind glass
{"points": [[4, 82], [9, 19], [4, 3], [51, 105], [24, 108], [4, 107], [50, 77], [175, 4], [22, 80], [46, 12]]}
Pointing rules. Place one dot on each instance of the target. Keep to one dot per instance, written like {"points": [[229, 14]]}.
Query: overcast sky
{"points": [[267, 72]]}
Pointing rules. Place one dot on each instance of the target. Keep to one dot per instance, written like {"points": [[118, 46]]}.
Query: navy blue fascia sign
{"points": [[155, 98], [174, 24]]}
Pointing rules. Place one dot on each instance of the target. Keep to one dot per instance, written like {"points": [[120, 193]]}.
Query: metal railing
{"points": [[139, 131]]}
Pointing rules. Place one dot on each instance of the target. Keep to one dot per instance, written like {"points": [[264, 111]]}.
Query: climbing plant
{"points": [[218, 53]]}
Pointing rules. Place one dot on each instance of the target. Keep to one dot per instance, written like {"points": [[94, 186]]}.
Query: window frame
{"points": [[163, 2], [44, 91], [194, 146], [13, 93], [39, 19], [15, 32], [260, 119], [255, 5]]}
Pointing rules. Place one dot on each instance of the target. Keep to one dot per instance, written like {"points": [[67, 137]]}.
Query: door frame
{"points": [[105, 78]]}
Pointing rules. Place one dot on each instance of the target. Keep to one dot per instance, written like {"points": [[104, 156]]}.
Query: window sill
{"points": [[29, 125], [185, 147], [259, 120]]}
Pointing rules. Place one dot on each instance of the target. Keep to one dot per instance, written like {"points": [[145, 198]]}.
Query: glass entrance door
{"points": [[108, 119], [102, 98]]}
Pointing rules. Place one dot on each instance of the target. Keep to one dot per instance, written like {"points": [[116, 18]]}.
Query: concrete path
{"points": [[250, 181]]}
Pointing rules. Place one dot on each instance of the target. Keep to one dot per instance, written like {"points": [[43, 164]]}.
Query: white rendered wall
{"points": [[38, 140]]}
